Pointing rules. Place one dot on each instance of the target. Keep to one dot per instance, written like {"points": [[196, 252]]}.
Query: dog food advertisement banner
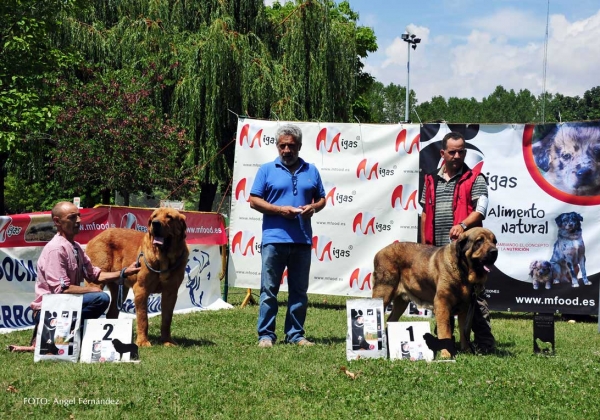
{"points": [[58, 336], [544, 193], [366, 337], [23, 236]]}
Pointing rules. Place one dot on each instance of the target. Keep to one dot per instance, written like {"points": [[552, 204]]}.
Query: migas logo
{"points": [[250, 136], [365, 224], [334, 197], [403, 197], [324, 250], [327, 140], [243, 243], [367, 170], [242, 189], [7, 229], [401, 142], [360, 279]]}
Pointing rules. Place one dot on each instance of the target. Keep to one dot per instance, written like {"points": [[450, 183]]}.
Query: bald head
{"points": [[62, 208], [67, 219]]}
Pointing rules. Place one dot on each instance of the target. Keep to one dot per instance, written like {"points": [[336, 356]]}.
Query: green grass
{"points": [[218, 372]]}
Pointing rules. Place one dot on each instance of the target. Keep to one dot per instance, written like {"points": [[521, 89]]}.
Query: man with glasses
{"points": [[288, 192], [454, 199]]}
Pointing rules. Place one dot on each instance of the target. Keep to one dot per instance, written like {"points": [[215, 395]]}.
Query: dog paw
{"points": [[548, 286], [143, 343], [445, 354], [535, 287], [587, 283], [575, 284]]}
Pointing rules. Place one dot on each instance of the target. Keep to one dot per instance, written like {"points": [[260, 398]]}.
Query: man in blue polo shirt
{"points": [[288, 192]]}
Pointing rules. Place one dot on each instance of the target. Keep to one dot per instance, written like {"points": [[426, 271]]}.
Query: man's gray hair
{"points": [[290, 130]]}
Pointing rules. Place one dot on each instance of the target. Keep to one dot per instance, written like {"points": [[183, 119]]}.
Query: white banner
{"points": [[370, 174], [201, 288]]}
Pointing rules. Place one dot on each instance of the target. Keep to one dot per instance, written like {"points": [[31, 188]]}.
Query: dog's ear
{"points": [[560, 219], [579, 217], [462, 244], [532, 267], [541, 154], [183, 225]]}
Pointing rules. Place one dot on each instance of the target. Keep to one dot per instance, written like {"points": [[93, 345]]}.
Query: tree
{"points": [[28, 64], [231, 55], [110, 137]]}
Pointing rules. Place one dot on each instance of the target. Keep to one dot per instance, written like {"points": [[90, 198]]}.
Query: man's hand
{"points": [[132, 269], [307, 211], [289, 212]]}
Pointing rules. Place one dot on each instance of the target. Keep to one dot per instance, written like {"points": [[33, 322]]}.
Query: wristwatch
{"points": [[462, 225]]}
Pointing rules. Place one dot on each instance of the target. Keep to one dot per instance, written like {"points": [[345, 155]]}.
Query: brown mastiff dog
{"points": [[162, 253], [443, 278]]}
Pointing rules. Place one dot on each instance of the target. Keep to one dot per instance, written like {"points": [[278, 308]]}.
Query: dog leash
{"points": [[120, 283], [159, 271]]}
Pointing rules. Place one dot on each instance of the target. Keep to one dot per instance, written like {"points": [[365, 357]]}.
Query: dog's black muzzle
{"points": [[156, 228]]}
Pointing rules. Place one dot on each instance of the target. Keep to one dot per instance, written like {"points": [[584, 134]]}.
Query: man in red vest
{"points": [[454, 199]]}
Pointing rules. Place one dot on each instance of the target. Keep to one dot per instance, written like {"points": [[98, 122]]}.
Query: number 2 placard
{"points": [[98, 335]]}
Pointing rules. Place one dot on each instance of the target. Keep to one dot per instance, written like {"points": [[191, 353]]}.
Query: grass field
{"points": [[218, 372]]}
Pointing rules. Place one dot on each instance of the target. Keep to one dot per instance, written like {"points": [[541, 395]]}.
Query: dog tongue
{"points": [[488, 269], [158, 240]]}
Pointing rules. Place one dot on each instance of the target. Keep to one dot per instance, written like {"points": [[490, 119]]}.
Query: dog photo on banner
{"points": [[58, 336], [366, 336]]}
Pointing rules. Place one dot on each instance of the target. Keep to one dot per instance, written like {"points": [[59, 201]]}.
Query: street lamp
{"points": [[411, 39]]}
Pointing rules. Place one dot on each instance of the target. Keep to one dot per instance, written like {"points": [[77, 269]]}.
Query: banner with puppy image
{"points": [[58, 335], [543, 185], [366, 337]]}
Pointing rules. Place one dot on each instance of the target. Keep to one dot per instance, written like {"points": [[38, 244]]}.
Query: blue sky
{"points": [[469, 47]]}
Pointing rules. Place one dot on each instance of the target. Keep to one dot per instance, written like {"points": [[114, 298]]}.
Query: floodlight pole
{"points": [[407, 106], [411, 40]]}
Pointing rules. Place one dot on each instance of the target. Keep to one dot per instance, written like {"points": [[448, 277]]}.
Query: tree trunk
{"points": [[106, 194], [207, 196], [3, 161]]}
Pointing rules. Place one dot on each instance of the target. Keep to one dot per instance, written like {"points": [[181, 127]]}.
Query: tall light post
{"points": [[412, 40]]}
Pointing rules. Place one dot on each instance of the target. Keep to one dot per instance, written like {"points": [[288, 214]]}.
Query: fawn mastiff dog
{"points": [[443, 278], [162, 253]]}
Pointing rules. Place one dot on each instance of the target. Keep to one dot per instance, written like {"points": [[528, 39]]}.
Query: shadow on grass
{"points": [[330, 340], [182, 342]]}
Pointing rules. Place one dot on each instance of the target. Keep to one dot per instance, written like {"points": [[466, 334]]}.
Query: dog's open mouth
{"points": [[158, 241]]}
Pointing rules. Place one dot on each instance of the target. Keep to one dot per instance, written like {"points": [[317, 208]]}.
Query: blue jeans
{"points": [[94, 305], [275, 257]]}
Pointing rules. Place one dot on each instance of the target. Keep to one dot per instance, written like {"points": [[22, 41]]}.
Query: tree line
{"points": [[143, 97]]}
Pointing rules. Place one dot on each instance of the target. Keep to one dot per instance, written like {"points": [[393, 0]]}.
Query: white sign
{"points": [[177, 205], [406, 340], [98, 336]]}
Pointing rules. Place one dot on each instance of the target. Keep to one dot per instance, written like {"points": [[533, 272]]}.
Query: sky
{"points": [[468, 47]]}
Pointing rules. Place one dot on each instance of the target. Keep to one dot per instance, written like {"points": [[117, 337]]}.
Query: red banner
{"points": [[35, 229]]}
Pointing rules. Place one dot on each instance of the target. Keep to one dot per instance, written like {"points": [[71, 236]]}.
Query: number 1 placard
{"points": [[406, 340], [97, 343]]}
